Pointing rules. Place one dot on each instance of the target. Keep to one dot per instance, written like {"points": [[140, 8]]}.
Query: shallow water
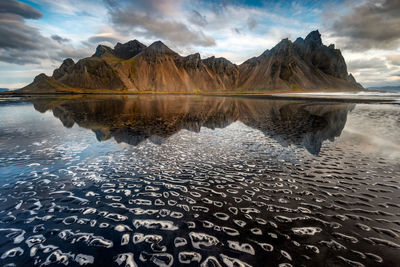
{"points": [[190, 180]]}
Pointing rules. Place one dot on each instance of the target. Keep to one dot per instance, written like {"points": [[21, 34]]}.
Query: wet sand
{"points": [[232, 181]]}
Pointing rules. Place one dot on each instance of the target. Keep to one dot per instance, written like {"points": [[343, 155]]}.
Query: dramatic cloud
{"points": [[15, 34], [373, 24], [362, 64], [157, 20], [20, 9], [23, 44], [19, 43], [60, 39], [14, 56]]}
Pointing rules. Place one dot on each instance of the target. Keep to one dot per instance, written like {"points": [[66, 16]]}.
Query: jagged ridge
{"points": [[304, 64]]}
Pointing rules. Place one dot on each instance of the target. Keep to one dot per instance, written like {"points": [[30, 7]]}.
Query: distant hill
{"points": [[4, 89], [306, 64], [386, 88]]}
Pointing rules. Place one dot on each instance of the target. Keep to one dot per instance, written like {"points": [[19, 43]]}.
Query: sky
{"points": [[36, 35]]}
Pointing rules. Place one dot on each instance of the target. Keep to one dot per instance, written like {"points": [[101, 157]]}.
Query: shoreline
{"points": [[279, 95]]}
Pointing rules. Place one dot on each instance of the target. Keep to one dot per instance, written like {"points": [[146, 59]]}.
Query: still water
{"points": [[196, 180]]}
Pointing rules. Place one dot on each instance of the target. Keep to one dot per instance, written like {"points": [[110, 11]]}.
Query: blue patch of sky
{"points": [[74, 24]]}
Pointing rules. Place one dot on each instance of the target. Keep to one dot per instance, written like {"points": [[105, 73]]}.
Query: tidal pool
{"points": [[199, 180]]}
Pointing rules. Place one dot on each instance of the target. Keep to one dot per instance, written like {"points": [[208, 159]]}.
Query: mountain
{"points": [[132, 120], [306, 64], [385, 88], [4, 89]]}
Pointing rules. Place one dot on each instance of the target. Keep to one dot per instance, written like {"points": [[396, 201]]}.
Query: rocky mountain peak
{"points": [[192, 60], [41, 77], [283, 47], [158, 48], [217, 60], [65, 67], [68, 62], [314, 37], [299, 40], [194, 56], [130, 44], [101, 50], [219, 65], [129, 49]]}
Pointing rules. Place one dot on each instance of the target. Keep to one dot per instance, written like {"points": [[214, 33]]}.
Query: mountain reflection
{"points": [[134, 119]]}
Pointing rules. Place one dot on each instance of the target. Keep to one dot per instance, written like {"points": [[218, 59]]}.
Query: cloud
{"points": [[219, 7], [394, 59], [19, 42], [17, 56], [156, 19], [362, 64], [60, 39], [20, 9], [197, 19], [23, 44], [251, 23], [372, 24], [15, 34], [99, 38]]}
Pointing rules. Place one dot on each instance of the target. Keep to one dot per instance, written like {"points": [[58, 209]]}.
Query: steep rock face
{"points": [[226, 71], [129, 49], [66, 67], [158, 50], [155, 69], [327, 59], [279, 64], [220, 65], [306, 64], [120, 51], [158, 68], [192, 61], [102, 50], [92, 74]]}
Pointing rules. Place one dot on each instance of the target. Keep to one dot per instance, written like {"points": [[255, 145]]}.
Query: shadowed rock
{"points": [[129, 49]]}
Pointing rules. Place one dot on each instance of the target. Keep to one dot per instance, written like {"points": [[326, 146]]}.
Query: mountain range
{"points": [[305, 64]]}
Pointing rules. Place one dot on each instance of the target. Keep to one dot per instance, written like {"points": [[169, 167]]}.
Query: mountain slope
{"points": [[305, 64]]}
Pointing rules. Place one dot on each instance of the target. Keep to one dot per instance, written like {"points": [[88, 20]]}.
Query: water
{"points": [[195, 180], [381, 94]]}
